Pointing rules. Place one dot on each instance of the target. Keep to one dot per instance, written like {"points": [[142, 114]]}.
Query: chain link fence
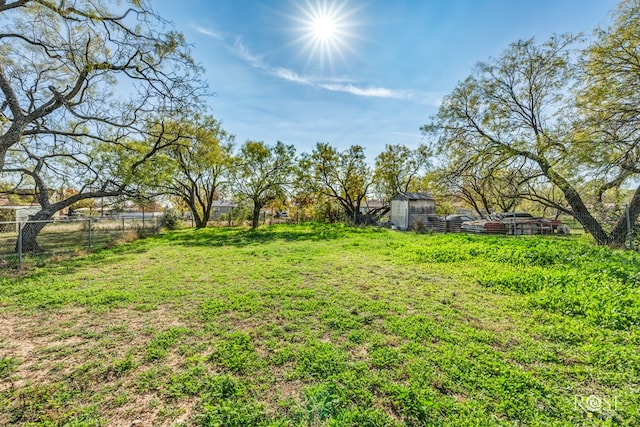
{"points": [[69, 236]]}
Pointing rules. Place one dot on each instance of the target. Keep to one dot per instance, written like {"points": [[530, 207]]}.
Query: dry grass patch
{"points": [[97, 356]]}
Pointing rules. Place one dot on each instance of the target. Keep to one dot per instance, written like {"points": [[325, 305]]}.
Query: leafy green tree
{"points": [[399, 169], [608, 101], [343, 177], [518, 110], [96, 169], [262, 174], [80, 83], [198, 165]]}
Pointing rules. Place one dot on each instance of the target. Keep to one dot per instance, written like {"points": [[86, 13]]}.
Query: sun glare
{"points": [[323, 27], [326, 30]]}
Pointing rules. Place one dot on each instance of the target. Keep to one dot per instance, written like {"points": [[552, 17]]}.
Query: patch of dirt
{"points": [[49, 347], [19, 341], [282, 391], [147, 411]]}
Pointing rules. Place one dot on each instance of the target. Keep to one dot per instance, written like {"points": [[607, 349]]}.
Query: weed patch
{"points": [[325, 325]]}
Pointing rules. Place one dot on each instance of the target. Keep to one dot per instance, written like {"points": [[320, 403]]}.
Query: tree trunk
{"points": [[206, 215], [30, 231], [618, 235], [584, 217], [348, 209], [199, 222], [579, 209], [255, 218], [3, 153]]}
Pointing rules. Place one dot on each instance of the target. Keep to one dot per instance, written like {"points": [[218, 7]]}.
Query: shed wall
{"points": [[400, 214], [422, 207]]}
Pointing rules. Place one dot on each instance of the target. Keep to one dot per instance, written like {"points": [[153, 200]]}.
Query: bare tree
{"points": [[79, 84]]}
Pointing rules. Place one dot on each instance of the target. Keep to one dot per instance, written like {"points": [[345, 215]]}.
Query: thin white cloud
{"points": [[292, 76], [375, 92], [244, 53], [422, 97], [208, 32]]}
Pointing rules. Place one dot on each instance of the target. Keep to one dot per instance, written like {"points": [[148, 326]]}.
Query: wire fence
{"points": [[61, 238], [69, 236]]}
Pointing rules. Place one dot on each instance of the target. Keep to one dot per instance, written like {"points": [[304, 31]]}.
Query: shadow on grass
{"points": [[228, 236], [66, 260], [61, 261]]}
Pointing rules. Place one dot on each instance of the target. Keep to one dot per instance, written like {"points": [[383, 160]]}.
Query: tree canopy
{"points": [[81, 83], [72, 69], [262, 174], [398, 169], [197, 166], [342, 176], [518, 113]]}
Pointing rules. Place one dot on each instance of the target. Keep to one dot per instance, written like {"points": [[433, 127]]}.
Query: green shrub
{"points": [[170, 220]]}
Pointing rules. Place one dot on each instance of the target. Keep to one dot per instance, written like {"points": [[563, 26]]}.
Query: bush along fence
{"points": [[60, 237]]}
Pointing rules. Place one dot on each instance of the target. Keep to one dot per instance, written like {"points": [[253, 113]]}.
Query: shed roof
{"points": [[413, 196]]}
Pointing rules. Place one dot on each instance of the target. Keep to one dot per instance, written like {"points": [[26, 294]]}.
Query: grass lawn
{"points": [[325, 325]]}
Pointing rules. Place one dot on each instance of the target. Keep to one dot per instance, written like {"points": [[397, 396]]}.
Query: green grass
{"points": [[60, 240], [325, 325]]}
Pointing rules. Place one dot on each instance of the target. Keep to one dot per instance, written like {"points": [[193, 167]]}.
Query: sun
{"points": [[326, 30]]}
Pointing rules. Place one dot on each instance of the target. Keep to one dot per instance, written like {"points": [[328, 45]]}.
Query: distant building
{"points": [[414, 211], [19, 197], [368, 206], [221, 207], [19, 214], [18, 205]]}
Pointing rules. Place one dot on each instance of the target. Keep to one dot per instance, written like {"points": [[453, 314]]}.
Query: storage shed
{"points": [[414, 210]]}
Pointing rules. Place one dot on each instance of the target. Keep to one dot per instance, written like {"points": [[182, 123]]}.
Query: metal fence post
{"points": [[89, 234], [19, 246], [629, 229]]}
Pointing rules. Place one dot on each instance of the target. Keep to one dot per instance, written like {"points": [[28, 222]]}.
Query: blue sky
{"points": [[382, 73]]}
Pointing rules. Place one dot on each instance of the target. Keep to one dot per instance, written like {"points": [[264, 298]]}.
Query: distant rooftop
{"points": [[413, 196]]}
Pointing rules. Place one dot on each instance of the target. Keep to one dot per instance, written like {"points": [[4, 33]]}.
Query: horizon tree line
{"points": [[102, 96]]}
